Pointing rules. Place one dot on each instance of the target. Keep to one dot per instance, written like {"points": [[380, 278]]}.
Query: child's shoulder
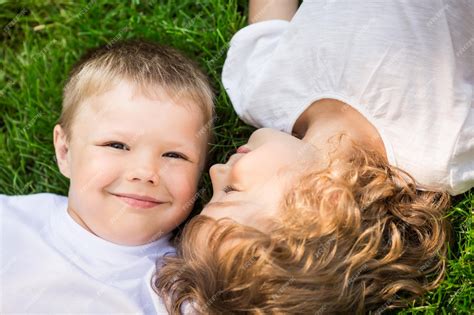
{"points": [[39, 200], [30, 206]]}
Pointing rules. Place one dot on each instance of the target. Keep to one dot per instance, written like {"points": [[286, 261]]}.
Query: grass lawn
{"points": [[42, 39]]}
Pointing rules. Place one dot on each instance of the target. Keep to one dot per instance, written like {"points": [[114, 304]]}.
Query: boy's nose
{"points": [[143, 175], [143, 167], [144, 171]]}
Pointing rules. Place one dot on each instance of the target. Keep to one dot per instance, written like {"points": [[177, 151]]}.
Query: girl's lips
{"points": [[137, 203], [243, 149]]}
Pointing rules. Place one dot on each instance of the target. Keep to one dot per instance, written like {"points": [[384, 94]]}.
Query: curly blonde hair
{"points": [[355, 237]]}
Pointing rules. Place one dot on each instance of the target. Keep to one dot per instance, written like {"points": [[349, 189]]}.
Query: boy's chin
{"points": [[123, 231]]}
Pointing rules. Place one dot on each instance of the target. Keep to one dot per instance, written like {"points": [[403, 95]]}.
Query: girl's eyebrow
{"points": [[225, 204]]}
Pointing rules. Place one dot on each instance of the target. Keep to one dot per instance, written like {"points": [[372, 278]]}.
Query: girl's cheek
{"points": [[242, 173]]}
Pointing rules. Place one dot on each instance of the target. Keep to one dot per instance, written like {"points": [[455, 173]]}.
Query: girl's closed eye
{"points": [[227, 189]]}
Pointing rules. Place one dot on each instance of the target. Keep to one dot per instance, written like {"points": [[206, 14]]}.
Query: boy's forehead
{"points": [[125, 112], [170, 123], [119, 118], [124, 97]]}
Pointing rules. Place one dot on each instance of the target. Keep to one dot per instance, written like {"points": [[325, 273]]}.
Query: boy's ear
{"points": [[61, 148]]}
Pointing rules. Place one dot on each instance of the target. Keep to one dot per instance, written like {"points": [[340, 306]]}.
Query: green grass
{"points": [[42, 39]]}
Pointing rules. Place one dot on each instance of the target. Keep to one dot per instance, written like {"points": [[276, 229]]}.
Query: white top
{"points": [[407, 66], [50, 264]]}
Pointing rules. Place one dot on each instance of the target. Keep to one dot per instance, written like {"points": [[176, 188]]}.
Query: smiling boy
{"points": [[132, 139]]}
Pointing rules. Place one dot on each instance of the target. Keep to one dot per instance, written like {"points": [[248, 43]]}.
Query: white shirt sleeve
{"points": [[249, 50]]}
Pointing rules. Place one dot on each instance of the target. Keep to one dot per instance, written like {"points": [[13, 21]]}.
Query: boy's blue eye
{"points": [[117, 145], [175, 155]]}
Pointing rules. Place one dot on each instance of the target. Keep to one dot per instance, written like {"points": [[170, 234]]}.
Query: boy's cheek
{"points": [[184, 185], [92, 171]]}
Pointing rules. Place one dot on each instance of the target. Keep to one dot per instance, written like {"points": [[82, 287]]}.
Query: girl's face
{"points": [[250, 187]]}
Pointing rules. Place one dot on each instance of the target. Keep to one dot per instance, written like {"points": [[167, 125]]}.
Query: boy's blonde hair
{"points": [[350, 239], [147, 65]]}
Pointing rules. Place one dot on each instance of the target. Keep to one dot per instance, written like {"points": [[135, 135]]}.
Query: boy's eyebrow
{"points": [[118, 133], [136, 134]]}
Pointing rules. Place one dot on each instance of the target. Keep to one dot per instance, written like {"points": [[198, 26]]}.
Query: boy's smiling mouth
{"points": [[139, 201]]}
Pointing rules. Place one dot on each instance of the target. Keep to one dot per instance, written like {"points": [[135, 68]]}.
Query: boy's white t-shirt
{"points": [[407, 66], [50, 264]]}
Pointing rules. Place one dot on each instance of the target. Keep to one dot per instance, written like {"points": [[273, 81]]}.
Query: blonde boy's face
{"points": [[133, 162]]}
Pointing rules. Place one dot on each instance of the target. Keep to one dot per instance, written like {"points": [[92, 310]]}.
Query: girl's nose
{"points": [[218, 173]]}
